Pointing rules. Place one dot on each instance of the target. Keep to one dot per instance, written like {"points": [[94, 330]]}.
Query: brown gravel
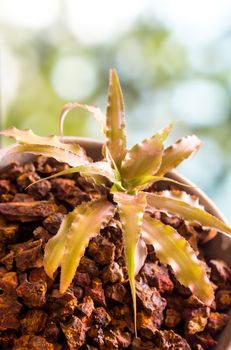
{"points": [[96, 311]]}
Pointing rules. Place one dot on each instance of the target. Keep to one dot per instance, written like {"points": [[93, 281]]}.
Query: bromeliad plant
{"points": [[127, 173]]}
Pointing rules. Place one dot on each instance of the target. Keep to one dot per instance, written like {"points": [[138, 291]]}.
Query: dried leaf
{"points": [[131, 210], [187, 212], [115, 120], [74, 105], [176, 153], [171, 248], [86, 224]]}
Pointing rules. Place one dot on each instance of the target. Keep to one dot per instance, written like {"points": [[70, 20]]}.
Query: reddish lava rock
{"points": [[96, 312]]}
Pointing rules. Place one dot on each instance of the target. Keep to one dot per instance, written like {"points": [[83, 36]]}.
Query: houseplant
{"points": [[122, 179]]}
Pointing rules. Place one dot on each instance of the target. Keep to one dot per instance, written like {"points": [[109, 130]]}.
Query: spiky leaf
{"points": [[163, 134], [55, 247], [187, 212], [131, 210], [86, 224], [171, 248], [59, 154], [28, 137], [115, 120], [176, 153], [182, 196], [143, 159], [49, 146]]}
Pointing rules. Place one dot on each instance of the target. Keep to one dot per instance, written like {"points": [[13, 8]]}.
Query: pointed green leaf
{"points": [[59, 154], [162, 135], [75, 105], [187, 212], [182, 196], [86, 224], [176, 153], [115, 120], [54, 249], [28, 137], [143, 182], [171, 248], [96, 170], [141, 255], [110, 160], [131, 210], [143, 159]]}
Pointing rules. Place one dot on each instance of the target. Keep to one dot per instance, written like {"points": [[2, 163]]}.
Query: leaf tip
{"points": [[47, 270], [113, 73], [114, 81], [63, 288], [196, 142]]}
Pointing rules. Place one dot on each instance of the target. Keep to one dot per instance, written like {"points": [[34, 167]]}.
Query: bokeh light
{"points": [[27, 13], [9, 82], [194, 22], [91, 21], [73, 78], [200, 102]]}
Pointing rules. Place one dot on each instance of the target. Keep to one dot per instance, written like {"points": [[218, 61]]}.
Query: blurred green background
{"points": [[173, 58]]}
